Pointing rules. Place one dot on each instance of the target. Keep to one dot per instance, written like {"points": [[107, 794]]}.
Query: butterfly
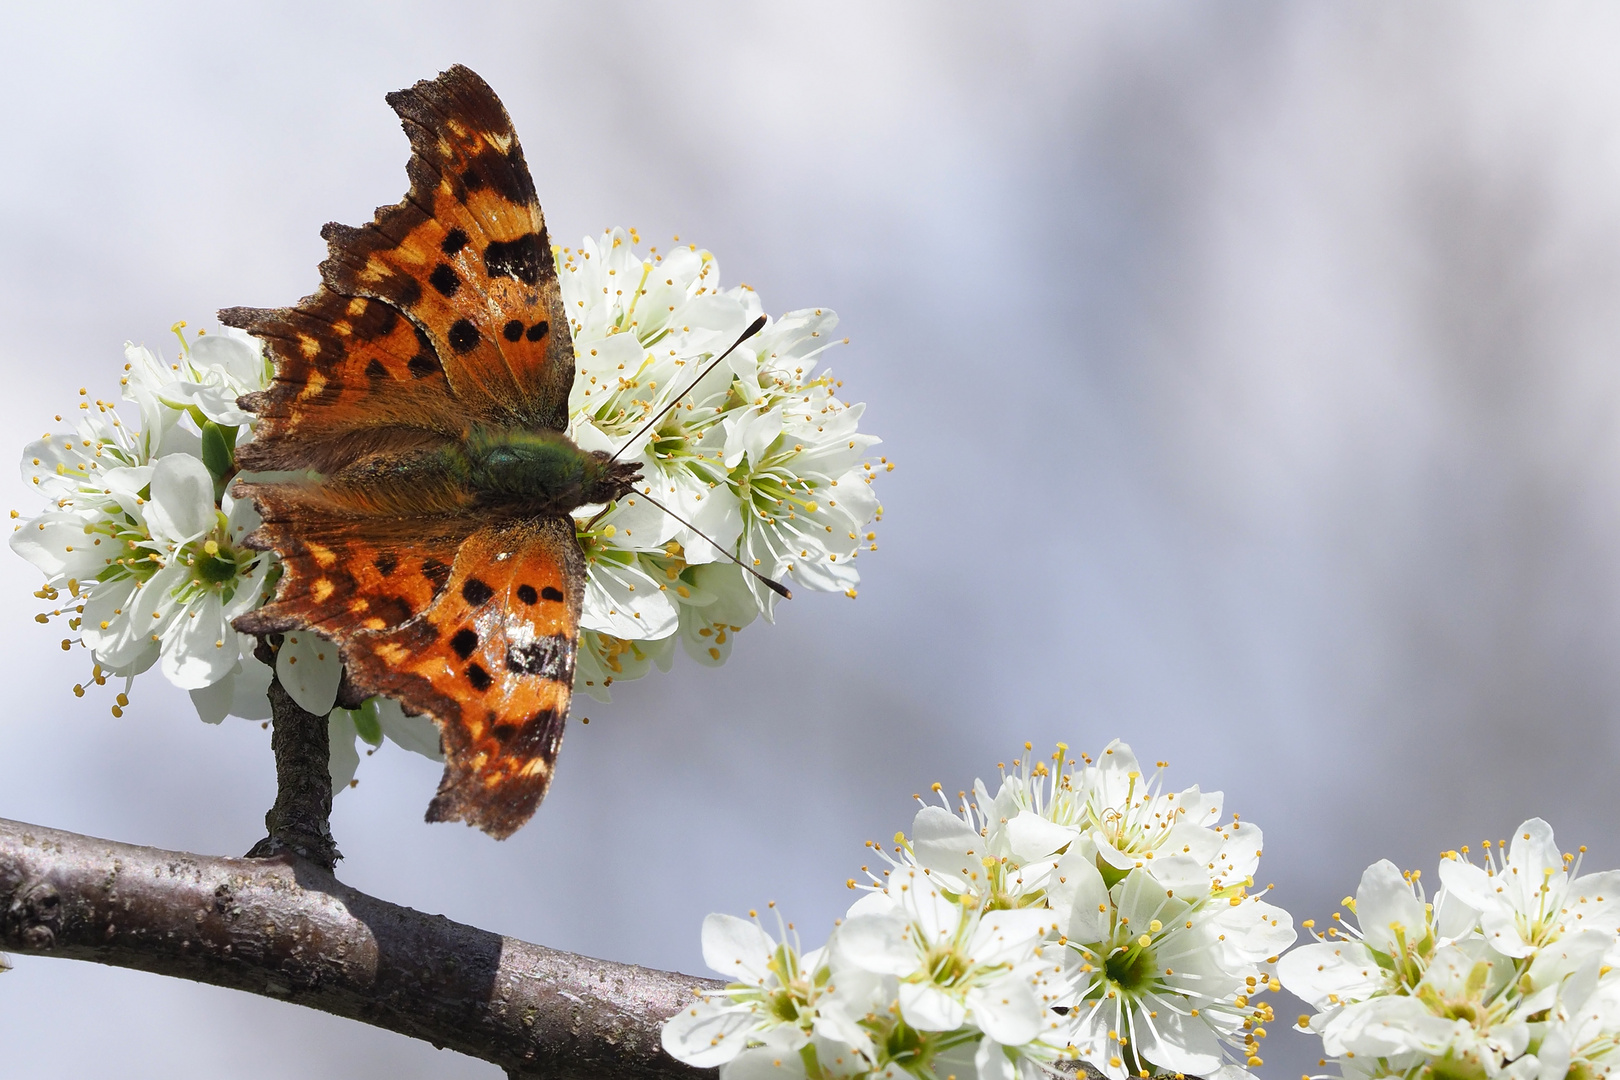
{"points": [[417, 422]]}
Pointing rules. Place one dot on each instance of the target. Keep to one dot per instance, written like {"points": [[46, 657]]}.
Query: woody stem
{"points": [[299, 822], [287, 930]]}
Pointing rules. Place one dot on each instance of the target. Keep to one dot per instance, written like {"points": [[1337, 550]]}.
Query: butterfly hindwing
{"points": [[344, 575], [492, 658], [466, 255]]}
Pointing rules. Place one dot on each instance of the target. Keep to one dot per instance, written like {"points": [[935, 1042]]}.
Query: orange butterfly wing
{"points": [[493, 659], [441, 315], [344, 576], [350, 373], [466, 255], [354, 380]]}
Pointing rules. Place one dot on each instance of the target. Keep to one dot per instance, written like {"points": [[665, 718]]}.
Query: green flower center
{"points": [[1131, 969], [215, 569], [947, 964]]}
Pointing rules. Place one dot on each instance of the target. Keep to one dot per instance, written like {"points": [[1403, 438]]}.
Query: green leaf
{"points": [[367, 723], [219, 449]]}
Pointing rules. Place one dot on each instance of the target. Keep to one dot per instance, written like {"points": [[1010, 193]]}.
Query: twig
{"points": [[300, 821], [285, 928]]}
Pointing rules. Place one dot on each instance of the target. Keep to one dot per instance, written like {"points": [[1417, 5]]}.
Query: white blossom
{"points": [[604, 658], [145, 542], [956, 964], [377, 719], [1005, 935], [149, 555], [759, 456], [780, 1010], [1106, 805], [211, 372], [1529, 898], [1507, 972], [1164, 964]]}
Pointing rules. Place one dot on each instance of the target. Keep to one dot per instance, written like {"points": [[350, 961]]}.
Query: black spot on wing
{"points": [[426, 360], [435, 571], [464, 641], [552, 593], [527, 594], [478, 677], [522, 259], [513, 330], [475, 592], [375, 370], [454, 241], [386, 563], [538, 330], [392, 610], [463, 336], [445, 280], [408, 291], [514, 181], [418, 634], [505, 172], [504, 732], [538, 737], [383, 316], [551, 656]]}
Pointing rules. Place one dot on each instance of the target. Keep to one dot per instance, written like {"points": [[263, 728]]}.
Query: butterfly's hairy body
{"points": [[490, 472], [541, 471]]}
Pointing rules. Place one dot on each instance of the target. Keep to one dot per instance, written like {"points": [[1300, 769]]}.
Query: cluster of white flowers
{"points": [[1508, 972], [1080, 913], [141, 542], [759, 456]]}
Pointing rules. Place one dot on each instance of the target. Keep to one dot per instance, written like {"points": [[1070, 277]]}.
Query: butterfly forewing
{"points": [[347, 370], [466, 255]]}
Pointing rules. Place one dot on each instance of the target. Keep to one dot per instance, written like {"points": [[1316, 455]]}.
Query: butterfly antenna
{"points": [[753, 328], [775, 586]]}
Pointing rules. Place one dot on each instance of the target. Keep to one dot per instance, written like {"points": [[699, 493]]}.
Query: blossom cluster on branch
{"points": [[1508, 972], [759, 456], [1080, 911], [141, 538]]}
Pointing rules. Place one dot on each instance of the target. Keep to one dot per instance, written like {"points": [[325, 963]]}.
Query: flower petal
{"points": [[182, 504], [200, 648], [706, 1034], [928, 1008], [308, 667], [737, 949]]}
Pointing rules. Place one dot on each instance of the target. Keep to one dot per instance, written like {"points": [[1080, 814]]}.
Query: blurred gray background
{"points": [[1251, 370]]}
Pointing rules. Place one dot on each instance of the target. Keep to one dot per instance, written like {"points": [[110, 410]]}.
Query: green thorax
{"points": [[538, 471]]}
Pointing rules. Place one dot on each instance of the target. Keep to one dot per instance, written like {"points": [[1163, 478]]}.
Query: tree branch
{"points": [[300, 821], [285, 928]]}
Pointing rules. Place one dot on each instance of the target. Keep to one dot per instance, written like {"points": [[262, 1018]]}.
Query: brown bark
{"points": [[300, 821], [284, 927]]}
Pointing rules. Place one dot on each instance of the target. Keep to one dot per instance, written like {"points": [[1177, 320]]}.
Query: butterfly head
{"points": [[607, 480]]}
